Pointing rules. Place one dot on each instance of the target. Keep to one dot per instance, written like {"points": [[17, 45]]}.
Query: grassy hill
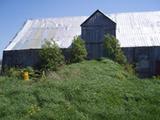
{"points": [[91, 90]]}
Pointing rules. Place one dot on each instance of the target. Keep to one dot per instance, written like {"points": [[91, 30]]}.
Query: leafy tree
{"points": [[78, 50], [51, 56], [113, 50]]}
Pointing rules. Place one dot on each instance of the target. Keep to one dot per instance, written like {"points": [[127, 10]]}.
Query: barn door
{"points": [[95, 51]]}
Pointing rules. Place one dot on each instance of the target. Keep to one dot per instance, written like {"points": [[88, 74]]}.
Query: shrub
{"points": [[32, 72], [18, 72], [13, 72], [130, 68], [78, 50], [51, 56], [113, 50]]}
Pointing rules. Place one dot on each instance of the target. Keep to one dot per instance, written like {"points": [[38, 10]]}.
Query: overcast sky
{"points": [[13, 13]]}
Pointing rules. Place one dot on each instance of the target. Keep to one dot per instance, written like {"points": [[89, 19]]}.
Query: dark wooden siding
{"points": [[98, 19], [145, 59], [93, 31], [24, 58], [21, 58]]}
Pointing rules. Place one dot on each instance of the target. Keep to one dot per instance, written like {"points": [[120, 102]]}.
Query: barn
{"points": [[138, 34]]}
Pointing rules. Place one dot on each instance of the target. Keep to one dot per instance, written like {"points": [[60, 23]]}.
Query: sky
{"points": [[13, 13]]}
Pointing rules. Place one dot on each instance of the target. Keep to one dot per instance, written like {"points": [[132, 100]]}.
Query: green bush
{"points": [[18, 72], [13, 72], [113, 50], [130, 68], [51, 56], [78, 50], [34, 74]]}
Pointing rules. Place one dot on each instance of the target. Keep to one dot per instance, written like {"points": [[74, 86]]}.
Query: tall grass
{"points": [[90, 90]]}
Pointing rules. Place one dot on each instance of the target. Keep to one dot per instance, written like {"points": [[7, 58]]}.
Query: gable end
{"points": [[97, 11]]}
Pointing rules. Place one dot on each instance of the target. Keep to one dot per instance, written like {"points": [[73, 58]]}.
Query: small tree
{"points": [[51, 56], [78, 50], [113, 50]]}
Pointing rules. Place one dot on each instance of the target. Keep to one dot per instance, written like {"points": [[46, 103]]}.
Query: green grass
{"points": [[91, 90]]}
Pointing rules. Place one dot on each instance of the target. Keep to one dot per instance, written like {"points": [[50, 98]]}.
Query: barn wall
{"points": [[93, 32], [24, 58], [145, 59], [99, 19], [21, 58], [156, 60]]}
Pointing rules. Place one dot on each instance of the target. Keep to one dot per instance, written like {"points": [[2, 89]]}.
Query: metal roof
{"points": [[133, 30], [138, 29]]}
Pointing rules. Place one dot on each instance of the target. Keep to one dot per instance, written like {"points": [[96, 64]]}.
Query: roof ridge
{"points": [[137, 12], [110, 14], [52, 18]]}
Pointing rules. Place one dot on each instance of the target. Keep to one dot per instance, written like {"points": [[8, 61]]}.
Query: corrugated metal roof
{"points": [[133, 30], [138, 29]]}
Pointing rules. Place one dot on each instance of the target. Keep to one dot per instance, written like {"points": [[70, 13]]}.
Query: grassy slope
{"points": [[85, 91]]}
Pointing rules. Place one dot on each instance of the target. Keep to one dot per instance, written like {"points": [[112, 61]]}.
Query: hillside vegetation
{"points": [[91, 90]]}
